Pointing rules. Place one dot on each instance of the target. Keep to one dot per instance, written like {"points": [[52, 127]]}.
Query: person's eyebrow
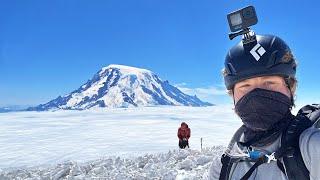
{"points": [[270, 79], [243, 84], [266, 77]]}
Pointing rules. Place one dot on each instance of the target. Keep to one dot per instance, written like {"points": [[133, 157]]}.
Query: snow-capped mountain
{"points": [[122, 86]]}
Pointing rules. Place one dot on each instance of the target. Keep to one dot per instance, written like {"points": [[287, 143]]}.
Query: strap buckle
{"points": [[271, 157]]}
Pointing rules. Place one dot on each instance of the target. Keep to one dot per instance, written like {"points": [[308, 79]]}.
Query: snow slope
{"points": [[177, 164], [122, 86]]}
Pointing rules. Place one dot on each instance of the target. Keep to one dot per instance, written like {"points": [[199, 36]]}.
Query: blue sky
{"points": [[49, 48]]}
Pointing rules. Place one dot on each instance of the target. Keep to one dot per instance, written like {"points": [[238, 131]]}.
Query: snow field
{"points": [[129, 143]]}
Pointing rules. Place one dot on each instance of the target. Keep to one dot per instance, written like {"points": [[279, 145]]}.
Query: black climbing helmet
{"points": [[266, 55]]}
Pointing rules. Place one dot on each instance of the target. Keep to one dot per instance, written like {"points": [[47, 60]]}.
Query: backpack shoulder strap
{"points": [[311, 111], [226, 160], [290, 150], [295, 168]]}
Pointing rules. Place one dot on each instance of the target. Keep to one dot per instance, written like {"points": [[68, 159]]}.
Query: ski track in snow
{"points": [[132, 143]]}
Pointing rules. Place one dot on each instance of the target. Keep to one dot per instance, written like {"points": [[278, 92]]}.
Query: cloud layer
{"points": [[214, 93]]}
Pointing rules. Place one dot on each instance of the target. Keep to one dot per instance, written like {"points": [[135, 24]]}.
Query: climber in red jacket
{"points": [[184, 135]]}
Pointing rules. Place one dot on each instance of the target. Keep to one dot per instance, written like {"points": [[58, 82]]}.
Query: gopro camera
{"points": [[242, 19], [240, 22]]}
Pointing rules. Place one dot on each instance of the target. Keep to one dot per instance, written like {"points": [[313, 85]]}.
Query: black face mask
{"points": [[260, 109]]}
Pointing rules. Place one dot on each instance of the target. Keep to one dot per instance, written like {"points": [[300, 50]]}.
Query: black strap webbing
{"points": [[261, 160], [226, 160], [281, 166], [292, 158], [226, 166]]}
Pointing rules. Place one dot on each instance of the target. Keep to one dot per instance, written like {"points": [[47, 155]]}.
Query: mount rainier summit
{"points": [[119, 86]]}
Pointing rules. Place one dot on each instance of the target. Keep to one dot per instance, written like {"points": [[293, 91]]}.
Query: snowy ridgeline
{"points": [[177, 164], [122, 86]]}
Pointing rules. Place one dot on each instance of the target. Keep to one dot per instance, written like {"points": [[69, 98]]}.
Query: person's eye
{"points": [[270, 83], [244, 86]]}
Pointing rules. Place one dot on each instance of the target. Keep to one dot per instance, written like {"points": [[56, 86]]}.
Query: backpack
{"points": [[293, 166]]}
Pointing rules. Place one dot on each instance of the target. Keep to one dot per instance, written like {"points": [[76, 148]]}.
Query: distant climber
{"points": [[184, 135]]}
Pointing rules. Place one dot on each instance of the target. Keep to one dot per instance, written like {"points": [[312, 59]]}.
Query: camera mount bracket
{"points": [[247, 35]]}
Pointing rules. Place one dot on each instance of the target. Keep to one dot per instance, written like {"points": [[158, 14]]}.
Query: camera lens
{"points": [[235, 19], [248, 13]]}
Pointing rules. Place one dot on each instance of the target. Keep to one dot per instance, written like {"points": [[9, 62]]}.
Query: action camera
{"points": [[242, 18]]}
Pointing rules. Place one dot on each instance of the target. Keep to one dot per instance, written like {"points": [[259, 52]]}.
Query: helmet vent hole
{"points": [[231, 69]]}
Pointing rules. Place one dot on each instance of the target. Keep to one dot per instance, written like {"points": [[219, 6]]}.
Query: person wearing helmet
{"points": [[272, 143], [184, 135]]}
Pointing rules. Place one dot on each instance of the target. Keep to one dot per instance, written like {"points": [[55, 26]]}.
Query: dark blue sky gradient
{"points": [[49, 48]]}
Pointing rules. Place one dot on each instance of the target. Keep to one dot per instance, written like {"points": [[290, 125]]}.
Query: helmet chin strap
{"points": [[291, 94], [234, 101]]}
